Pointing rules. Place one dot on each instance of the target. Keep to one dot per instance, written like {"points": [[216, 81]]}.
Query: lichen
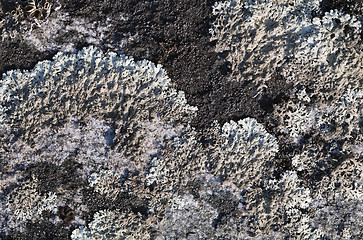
{"points": [[262, 36], [90, 84], [108, 224], [116, 137], [24, 204], [111, 116]]}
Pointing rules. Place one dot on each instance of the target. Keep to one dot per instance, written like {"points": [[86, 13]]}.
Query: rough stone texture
{"points": [[97, 145], [166, 32]]}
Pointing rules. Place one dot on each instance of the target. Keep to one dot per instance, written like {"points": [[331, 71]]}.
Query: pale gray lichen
{"points": [[49, 34], [241, 158], [106, 182], [239, 146], [300, 117], [294, 198], [207, 210], [246, 152], [187, 218], [86, 144], [109, 224], [342, 220], [333, 126], [262, 36], [90, 84], [64, 106], [108, 114], [322, 59], [23, 204]]}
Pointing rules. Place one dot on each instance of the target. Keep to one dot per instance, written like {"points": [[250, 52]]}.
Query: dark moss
{"points": [[16, 54], [354, 7], [123, 201], [42, 230], [66, 214], [51, 176]]}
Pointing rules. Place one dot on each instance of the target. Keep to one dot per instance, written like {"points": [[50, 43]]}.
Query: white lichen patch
{"points": [[343, 220], [86, 145], [48, 35], [90, 84], [178, 151], [241, 159], [295, 195], [106, 182], [98, 114], [251, 133], [262, 36], [187, 218], [109, 224], [155, 134], [292, 200], [24, 204], [298, 119], [321, 58], [246, 151]]}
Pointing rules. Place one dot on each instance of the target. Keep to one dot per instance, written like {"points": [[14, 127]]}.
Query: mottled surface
{"points": [[251, 127]]}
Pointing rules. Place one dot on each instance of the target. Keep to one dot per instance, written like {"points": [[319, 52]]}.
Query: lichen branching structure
{"points": [[96, 145]]}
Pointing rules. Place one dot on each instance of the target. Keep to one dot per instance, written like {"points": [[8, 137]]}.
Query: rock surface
{"points": [[181, 119]]}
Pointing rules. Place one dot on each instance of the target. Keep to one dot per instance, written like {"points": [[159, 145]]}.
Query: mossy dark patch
{"points": [[123, 201], [42, 230], [16, 54], [66, 214], [51, 176], [278, 91], [283, 159], [354, 7]]}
